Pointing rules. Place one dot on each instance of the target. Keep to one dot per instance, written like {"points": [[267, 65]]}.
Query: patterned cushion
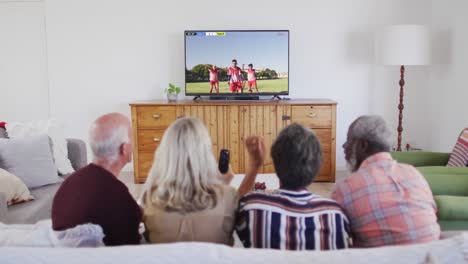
{"points": [[459, 156]]}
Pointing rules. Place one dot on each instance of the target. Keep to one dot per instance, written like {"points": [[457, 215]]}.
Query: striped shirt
{"points": [[388, 203], [293, 220]]}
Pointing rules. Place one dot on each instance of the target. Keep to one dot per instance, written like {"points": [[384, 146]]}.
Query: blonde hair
{"points": [[184, 173]]}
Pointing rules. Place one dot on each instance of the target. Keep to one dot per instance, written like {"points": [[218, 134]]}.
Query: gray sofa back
{"points": [[3, 133], [40, 208]]}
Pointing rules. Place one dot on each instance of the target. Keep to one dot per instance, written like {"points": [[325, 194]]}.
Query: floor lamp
{"points": [[404, 45]]}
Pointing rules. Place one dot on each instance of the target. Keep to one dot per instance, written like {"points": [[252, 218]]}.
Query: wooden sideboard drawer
{"points": [[149, 139], [312, 115], [145, 162], [325, 138], [326, 165], [155, 116]]}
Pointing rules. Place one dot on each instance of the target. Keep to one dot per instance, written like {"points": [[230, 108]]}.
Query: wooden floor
{"points": [[321, 188]]}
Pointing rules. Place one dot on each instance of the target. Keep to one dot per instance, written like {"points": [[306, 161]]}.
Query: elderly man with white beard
{"points": [[387, 203]]}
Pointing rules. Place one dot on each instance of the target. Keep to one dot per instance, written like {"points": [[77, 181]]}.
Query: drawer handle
{"points": [[312, 115], [156, 139], [156, 116]]}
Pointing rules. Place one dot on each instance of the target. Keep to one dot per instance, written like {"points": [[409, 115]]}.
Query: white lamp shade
{"points": [[404, 45]]}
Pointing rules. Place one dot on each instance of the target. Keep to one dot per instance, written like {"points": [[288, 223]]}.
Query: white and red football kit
{"points": [[235, 83], [213, 76], [251, 78]]}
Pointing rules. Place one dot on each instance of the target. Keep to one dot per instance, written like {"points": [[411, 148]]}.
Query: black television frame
{"points": [[236, 95]]}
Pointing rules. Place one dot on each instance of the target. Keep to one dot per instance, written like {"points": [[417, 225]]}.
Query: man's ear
{"points": [[363, 146], [122, 149]]}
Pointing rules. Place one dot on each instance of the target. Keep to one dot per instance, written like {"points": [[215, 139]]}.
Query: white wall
{"points": [[23, 63], [447, 113], [104, 54]]}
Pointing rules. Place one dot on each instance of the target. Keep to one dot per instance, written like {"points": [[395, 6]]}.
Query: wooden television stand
{"points": [[229, 123]]}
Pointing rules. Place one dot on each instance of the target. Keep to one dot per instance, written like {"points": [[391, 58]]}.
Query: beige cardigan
{"points": [[214, 225]]}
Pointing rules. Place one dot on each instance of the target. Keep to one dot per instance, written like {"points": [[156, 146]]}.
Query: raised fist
{"points": [[255, 146]]}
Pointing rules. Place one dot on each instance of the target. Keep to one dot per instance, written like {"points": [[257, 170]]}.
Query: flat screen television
{"points": [[237, 63]]}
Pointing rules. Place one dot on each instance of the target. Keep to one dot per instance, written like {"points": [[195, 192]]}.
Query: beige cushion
{"points": [[13, 188]]}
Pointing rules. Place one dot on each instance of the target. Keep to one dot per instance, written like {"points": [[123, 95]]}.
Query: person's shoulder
{"points": [[227, 197], [328, 205], [255, 195], [410, 171], [405, 166], [320, 200], [82, 174], [227, 191], [264, 197], [86, 169], [350, 180], [104, 179], [84, 180]]}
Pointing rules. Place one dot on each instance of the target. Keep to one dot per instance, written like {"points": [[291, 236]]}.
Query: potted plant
{"points": [[172, 92]]}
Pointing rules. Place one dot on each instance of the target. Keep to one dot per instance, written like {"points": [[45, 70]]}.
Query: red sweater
{"points": [[94, 195]]}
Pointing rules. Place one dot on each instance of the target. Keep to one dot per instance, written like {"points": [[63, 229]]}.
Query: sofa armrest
{"points": [[3, 207], [421, 158], [77, 153]]}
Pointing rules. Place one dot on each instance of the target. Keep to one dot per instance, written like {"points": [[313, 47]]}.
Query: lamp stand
{"points": [[401, 106]]}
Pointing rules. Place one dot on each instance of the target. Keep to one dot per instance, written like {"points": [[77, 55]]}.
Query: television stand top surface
{"points": [[202, 101]]}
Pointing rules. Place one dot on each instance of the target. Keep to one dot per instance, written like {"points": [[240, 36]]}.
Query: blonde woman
{"points": [[185, 196]]}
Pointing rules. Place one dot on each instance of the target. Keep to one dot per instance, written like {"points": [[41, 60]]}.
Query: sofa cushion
{"points": [[452, 207], [30, 159], [421, 158], [14, 189], [31, 212], [459, 156], [41, 234], [452, 250], [448, 225], [54, 130], [446, 180]]}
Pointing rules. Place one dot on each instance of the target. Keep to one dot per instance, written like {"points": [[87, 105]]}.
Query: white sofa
{"points": [[451, 251]]}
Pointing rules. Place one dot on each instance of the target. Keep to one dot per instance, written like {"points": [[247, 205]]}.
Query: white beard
{"points": [[351, 164]]}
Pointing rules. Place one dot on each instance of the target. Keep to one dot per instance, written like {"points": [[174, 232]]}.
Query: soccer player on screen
{"points": [[214, 82], [235, 77], [251, 77]]}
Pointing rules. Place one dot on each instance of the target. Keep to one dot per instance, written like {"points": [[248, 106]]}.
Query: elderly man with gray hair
{"points": [[387, 203], [93, 194]]}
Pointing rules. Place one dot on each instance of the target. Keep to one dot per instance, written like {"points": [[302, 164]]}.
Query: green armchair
{"points": [[449, 186]]}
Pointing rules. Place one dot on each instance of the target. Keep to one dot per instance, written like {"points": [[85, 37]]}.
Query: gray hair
{"points": [[108, 147], [297, 156], [373, 129]]}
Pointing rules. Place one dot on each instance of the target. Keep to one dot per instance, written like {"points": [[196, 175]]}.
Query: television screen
{"points": [[237, 62]]}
